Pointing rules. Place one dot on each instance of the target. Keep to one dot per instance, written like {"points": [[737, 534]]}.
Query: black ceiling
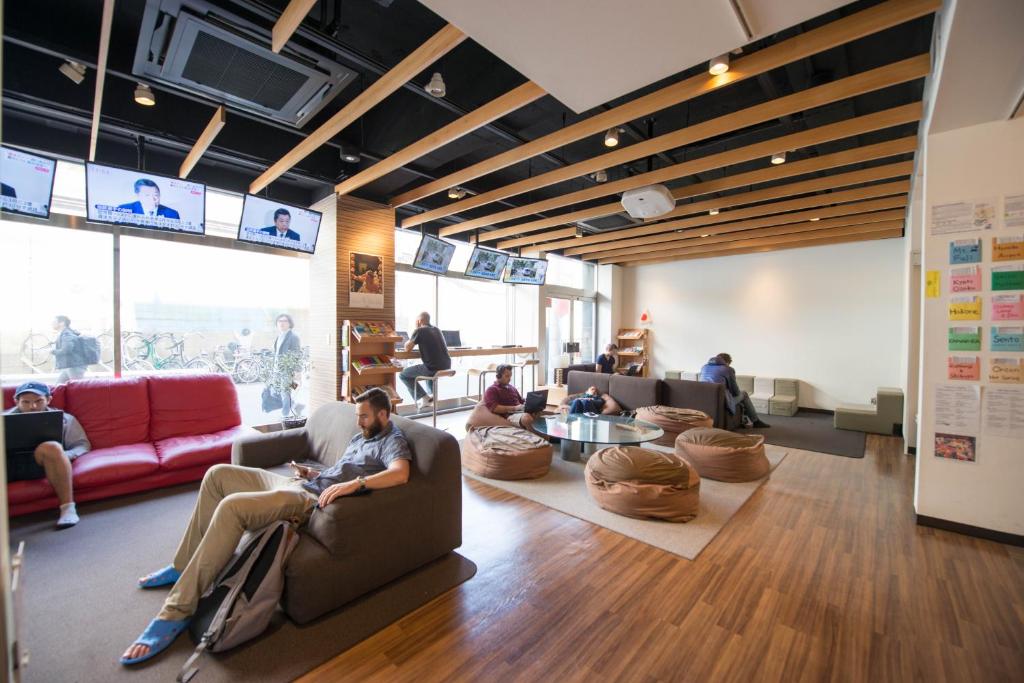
{"points": [[44, 110]]}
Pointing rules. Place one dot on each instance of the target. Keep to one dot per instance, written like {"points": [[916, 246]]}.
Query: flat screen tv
{"points": [[434, 255], [525, 271], [486, 263], [27, 181], [140, 199], [265, 221]]}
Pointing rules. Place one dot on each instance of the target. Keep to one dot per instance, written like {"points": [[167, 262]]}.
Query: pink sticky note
{"points": [[1008, 307], [965, 279], [964, 367]]}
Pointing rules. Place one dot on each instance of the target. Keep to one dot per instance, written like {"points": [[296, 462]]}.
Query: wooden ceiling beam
{"points": [[538, 239], [840, 32], [870, 211], [203, 143], [288, 22], [887, 118], [426, 54], [865, 237], [660, 232], [851, 86], [514, 99], [101, 75], [788, 170], [693, 237]]}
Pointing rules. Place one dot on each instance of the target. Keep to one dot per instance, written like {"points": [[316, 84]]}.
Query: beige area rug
{"points": [[564, 489]]}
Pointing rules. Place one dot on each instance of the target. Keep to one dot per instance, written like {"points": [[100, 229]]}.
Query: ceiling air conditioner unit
{"points": [[649, 201], [198, 48]]}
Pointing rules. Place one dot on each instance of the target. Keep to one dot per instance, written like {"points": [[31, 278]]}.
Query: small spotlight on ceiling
{"points": [[436, 85], [600, 176], [349, 155], [713, 212], [707, 234], [779, 158], [73, 70], [457, 192], [815, 219], [719, 65], [579, 231], [144, 96], [611, 138]]}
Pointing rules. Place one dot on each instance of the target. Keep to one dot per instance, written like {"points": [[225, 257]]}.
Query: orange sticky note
{"points": [[964, 367], [1007, 248]]}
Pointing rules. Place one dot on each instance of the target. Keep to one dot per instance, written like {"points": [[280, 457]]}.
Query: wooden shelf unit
{"points": [[355, 346], [632, 338]]}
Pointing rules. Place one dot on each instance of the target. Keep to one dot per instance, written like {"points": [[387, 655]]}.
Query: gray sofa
{"points": [[635, 392], [361, 543]]}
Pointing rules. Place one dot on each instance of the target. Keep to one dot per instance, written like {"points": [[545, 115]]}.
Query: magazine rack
{"points": [[367, 356]]}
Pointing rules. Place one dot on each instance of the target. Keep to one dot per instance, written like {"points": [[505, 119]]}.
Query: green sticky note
{"points": [[1007, 279], [965, 339]]}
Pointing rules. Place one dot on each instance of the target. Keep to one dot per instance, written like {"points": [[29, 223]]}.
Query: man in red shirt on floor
{"points": [[501, 398]]}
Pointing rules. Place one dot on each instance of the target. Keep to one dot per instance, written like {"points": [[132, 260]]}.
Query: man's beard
{"points": [[373, 430]]}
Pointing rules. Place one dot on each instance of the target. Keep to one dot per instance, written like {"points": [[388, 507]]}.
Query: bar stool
{"points": [[531, 363], [481, 375], [433, 379]]}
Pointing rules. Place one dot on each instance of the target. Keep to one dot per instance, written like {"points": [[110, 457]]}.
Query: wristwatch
{"points": [[362, 483]]}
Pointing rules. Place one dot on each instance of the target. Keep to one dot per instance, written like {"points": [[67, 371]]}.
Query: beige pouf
{"points": [[638, 482], [725, 456], [674, 421], [506, 453]]}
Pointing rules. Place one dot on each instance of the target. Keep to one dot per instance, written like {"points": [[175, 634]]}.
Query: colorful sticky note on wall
{"points": [[965, 251], [1008, 277], [1007, 307], [965, 279], [1007, 339], [964, 367], [1005, 371], [1008, 248], [932, 280], [965, 308], [965, 339]]}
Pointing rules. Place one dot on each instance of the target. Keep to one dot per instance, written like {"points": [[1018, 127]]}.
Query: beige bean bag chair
{"points": [[610, 406], [725, 456], [480, 416], [638, 482], [674, 421], [506, 453]]}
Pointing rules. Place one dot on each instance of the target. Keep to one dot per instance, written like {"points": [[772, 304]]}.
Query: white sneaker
{"points": [[424, 402], [68, 516]]}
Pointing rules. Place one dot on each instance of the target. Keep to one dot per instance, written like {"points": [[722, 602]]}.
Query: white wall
{"points": [[829, 316]]}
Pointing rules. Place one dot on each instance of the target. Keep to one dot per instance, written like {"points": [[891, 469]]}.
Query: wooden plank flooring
{"points": [[822, 576]]}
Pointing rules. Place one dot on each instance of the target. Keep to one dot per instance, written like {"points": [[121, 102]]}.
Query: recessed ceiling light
{"points": [[707, 234], [611, 138], [144, 96], [719, 65], [436, 85], [713, 212], [815, 219], [349, 155], [600, 176], [779, 158], [73, 70], [457, 192]]}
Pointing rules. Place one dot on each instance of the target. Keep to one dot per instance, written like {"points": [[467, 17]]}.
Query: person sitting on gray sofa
{"points": [[233, 499], [718, 369]]}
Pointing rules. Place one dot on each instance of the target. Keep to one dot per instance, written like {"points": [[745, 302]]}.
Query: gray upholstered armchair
{"points": [[360, 543]]}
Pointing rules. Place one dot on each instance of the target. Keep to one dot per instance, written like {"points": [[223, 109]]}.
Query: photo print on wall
{"points": [[366, 281]]}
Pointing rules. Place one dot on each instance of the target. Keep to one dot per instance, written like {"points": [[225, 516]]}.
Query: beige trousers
{"points": [[232, 500]]}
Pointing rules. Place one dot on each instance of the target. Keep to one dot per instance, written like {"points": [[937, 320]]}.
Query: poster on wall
{"points": [[956, 447], [966, 216], [1008, 277], [366, 281], [1004, 411]]}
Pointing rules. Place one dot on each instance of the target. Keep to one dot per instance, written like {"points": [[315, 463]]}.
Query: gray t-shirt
{"points": [[363, 457], [76, 442], [433, 350]]}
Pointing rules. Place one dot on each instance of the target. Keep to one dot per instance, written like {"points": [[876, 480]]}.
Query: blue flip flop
{"points": [[158, 636], [161, 577]]}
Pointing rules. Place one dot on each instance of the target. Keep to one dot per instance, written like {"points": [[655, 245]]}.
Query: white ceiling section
{"points": [[587, 52]]}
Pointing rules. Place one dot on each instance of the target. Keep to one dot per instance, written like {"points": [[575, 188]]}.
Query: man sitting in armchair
{"points": [[234, 499]]}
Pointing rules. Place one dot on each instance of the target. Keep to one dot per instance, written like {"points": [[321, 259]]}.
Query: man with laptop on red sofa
{"points": [[50, 458]]}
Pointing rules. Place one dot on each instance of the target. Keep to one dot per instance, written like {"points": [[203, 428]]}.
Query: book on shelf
{"points": [[389, 390], [373, 329], [376, 361], [632, 334]]}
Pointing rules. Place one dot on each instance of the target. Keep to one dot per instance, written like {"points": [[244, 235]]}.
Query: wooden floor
{"points": [[822, 575]]}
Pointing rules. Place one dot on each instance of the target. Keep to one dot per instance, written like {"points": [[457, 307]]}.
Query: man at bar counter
{"points": [[433, 354]]}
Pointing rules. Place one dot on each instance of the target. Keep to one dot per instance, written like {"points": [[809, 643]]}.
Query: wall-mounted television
{"points": [[525, 271], [265, 221], [486, 263], [140, 199], [434, 255], [27, 182]]}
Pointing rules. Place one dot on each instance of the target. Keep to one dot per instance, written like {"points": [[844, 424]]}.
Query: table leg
{"points": [[570, 450]]}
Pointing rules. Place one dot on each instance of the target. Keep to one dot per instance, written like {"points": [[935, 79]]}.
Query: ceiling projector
{"points": [[649, 201]]}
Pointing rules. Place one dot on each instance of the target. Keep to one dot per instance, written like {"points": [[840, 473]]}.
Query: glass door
{"points": [[558, 328]]}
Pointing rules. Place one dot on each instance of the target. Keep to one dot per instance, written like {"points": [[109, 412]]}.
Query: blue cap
{"points": [[33, 388]]}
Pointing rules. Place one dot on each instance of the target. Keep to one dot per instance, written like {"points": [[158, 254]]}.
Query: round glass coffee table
{"points": [[577, 430]]}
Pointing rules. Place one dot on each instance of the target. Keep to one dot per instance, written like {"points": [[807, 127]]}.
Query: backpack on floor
{"points": [[241, 602]]}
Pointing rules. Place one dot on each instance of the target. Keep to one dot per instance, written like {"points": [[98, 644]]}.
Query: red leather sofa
{"points": [[146, 433]]}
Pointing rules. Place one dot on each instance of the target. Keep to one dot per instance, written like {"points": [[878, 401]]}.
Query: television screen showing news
{"points": [[269, 222], [139, 199], [434, 255], [526, 271], [27, 182], [486, 263]]}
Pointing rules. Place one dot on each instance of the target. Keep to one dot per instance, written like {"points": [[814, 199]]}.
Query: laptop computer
{"points": [[24, 431], [452, 339], [535, 401], [400, 346]]}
